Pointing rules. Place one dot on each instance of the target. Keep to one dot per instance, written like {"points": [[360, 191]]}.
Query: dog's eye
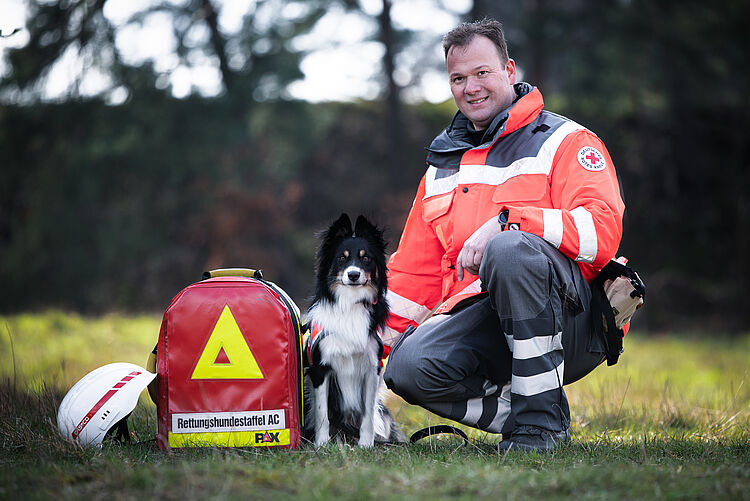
{"points": [[366, 259], [342, 258]]}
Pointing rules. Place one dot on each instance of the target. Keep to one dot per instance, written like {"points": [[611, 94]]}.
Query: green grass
{"points": [[670, 421], [62, 347]]}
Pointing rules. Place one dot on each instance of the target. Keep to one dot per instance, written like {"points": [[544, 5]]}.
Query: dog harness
{"points": [[314, 333]]}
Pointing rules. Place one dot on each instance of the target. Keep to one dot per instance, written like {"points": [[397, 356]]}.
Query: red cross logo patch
{"points": [[591, 159]]}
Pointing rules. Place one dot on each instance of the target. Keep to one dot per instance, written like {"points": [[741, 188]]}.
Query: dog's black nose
{"points": [[353, 275]]}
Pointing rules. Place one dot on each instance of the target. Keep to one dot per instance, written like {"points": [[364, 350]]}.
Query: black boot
{"points": [[532, 438]]}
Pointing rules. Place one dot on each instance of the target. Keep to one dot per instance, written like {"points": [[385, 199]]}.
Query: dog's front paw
{"points": [[366, 440], [321, 435]]}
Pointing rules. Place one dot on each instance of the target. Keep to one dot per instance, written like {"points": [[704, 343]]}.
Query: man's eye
{"points": [[483, 73], [458, 79]]}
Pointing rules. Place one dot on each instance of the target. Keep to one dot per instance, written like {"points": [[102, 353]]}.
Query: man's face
{"points": [[481, 84]]}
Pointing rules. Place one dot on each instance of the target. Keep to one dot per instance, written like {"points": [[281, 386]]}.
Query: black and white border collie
{"points": [[344, 380]]}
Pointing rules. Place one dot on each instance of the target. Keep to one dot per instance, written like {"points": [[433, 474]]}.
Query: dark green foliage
{"points": [[118, 207]]}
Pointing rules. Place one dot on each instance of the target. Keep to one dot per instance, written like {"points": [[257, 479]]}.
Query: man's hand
{"points": [[472, 252]]}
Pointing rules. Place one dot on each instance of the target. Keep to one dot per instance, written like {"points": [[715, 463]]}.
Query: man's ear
{"points": [[510, 69]]}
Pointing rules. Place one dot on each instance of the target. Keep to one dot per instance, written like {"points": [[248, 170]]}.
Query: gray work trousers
{"points": [[501, 361]]}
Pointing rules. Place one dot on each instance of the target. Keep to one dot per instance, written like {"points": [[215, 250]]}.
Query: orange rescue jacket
{"points": [[554, 177]]}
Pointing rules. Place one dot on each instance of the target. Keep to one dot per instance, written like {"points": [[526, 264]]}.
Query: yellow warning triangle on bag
{"points": [[227, 342]]}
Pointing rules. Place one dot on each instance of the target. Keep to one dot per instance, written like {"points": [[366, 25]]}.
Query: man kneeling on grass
{"points": [[518, 211]]}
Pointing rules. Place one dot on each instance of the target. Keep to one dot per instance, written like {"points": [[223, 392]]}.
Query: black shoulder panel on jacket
{"points": [[526, 141]]}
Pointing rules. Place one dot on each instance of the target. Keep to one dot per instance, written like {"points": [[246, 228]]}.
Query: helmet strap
{"points": [[119, 432]]}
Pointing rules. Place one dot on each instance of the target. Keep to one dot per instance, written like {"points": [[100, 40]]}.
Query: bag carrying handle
{"points": [[233, 272]]}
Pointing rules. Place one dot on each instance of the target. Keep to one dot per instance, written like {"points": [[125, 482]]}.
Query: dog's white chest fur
{"points": [[347, 348]]}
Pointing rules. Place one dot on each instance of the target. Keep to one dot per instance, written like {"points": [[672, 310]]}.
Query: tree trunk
{"points": [[218, 43], [394, 118]]}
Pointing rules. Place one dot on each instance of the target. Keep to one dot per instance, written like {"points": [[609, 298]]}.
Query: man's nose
{"points": [[472, 85]]}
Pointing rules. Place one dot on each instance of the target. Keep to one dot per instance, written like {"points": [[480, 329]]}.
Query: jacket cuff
{"points": [[518, 220]]}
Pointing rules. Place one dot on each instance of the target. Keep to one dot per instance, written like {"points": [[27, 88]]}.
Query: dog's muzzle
{"points": [[354, 276]]}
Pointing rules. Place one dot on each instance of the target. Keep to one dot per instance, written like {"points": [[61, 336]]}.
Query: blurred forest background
{"points": [[117, 199]]}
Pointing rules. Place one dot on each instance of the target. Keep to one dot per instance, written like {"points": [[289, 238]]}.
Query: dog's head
{"points": [[351, 262]]}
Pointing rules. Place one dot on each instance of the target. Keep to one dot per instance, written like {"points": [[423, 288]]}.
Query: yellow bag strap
{"points": [[233, 272]]}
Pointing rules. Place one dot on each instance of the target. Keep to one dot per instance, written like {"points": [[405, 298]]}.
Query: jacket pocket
{"points": [[433, 210], [436, 206]]}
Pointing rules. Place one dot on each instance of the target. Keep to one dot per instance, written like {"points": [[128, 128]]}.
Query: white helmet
{"points": [[102, 399]]}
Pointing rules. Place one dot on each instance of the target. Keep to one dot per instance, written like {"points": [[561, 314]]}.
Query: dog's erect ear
{"points": [[342, 228], [365, 229]]}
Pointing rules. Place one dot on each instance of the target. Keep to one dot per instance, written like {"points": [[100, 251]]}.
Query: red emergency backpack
{"points": [[229, 365]]}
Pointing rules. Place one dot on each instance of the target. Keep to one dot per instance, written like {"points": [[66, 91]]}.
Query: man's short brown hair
{"points": [[463, 34]]}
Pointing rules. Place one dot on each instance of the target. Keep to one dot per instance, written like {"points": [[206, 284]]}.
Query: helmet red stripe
{"points": [[87, 418]]}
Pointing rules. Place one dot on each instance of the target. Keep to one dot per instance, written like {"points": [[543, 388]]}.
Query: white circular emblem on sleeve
{"points": [[591, 159]]}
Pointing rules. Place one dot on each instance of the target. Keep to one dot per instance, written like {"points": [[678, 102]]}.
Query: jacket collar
{"points": [[446, 149]]}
